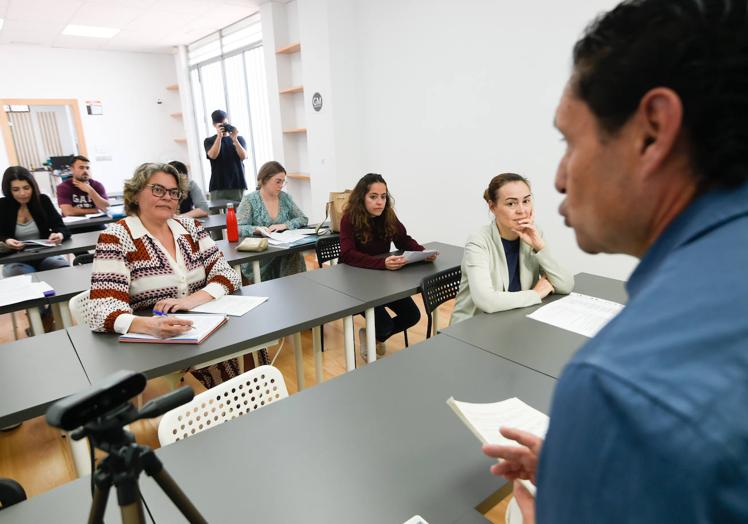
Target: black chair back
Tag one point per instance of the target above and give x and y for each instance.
(11, 492)
(328, 248)
(85, 258)
(439, 288)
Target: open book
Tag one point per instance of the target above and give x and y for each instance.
(485, 420)
(202, 327)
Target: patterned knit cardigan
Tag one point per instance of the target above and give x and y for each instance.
(131, 272)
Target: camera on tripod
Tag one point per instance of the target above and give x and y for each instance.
(227, 128)
(100, 413)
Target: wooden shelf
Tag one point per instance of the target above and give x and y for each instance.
(176, 115)
(289, 90)
(180, 140)
(298, 176)
(289, 49)
(295, 130)
(173, 87)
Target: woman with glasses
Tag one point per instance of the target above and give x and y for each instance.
(272, 208)
(154, 260)
(507, 264)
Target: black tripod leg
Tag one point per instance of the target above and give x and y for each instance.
(177, 496)
(128, 498)
(132, 513)
(98, 506)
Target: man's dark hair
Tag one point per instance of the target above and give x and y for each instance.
(179, 166)
(75, 158)
(697, 48)
(218, 116)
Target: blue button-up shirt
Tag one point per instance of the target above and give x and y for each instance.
(649, 422)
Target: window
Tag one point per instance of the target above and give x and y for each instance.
(227, 71)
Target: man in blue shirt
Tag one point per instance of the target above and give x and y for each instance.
(649, 423)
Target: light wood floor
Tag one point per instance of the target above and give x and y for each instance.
(37, 456)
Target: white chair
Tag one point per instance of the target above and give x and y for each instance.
(235, 397)
(74, 305)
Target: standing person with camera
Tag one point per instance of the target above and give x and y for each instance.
(226, 151)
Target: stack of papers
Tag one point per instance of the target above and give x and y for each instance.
(233, 305)
(578, 313)
(72, 220)
(283, 237)
(21, 288)
(202, 327)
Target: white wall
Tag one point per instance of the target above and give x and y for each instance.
(133, 128)
(440, 96)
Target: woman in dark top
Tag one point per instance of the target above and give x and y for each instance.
(367, 229)
(26, 214)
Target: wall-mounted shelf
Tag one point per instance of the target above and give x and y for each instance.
(295, 130)
(290, 90)
(172, 87)
(289, 49)
(180, 140)
(298, 176)
(176, 115)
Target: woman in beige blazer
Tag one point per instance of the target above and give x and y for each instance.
(507, 263)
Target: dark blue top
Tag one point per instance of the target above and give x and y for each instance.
(511, 250)
(227, 169)
(649, 422)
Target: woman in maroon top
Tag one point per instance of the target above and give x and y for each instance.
(367, 229)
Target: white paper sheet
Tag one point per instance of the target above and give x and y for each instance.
(72, 220)
(233, 305)
(21, 290)
(578, 313)
(418, 256)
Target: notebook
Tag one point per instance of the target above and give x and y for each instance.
(37, 243)
(203, 326)
(234, 305)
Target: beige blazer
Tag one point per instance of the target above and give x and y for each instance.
(485, 276)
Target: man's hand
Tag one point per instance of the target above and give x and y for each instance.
(234, 134)
(394, 262)
(83, 186)
(519, 462)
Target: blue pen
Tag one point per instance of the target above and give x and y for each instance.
(159, 313)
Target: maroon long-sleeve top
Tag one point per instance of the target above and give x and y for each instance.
(355, 253)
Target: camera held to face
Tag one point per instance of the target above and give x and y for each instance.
(227, 128)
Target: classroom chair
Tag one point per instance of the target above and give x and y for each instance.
(11, 492)
(436, 290)
(328, 250)
(237, 396)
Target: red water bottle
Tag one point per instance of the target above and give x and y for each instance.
(232, 227)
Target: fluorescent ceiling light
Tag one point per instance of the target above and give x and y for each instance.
(90, 31)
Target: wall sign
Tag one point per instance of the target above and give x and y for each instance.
(317, 101)
(93, 107)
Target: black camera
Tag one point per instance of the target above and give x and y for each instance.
(228, 128)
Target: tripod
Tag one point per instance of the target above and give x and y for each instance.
(125, 461)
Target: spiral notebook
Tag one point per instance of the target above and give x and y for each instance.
(203, 326)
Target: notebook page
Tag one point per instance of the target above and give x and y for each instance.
(484, 420)
(578, 313)
(202, 325)
(233, 305)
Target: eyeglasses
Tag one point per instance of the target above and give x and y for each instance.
(159, 191)
(280, 182)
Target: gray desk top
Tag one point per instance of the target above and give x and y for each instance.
(221, 204)
(77, 242)
(66, 281)
(34, 372)
(233, 256)
(539, 346)
(381, 438)
(90, 222)
(213, 222)
(376, 287)
(295, 304)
